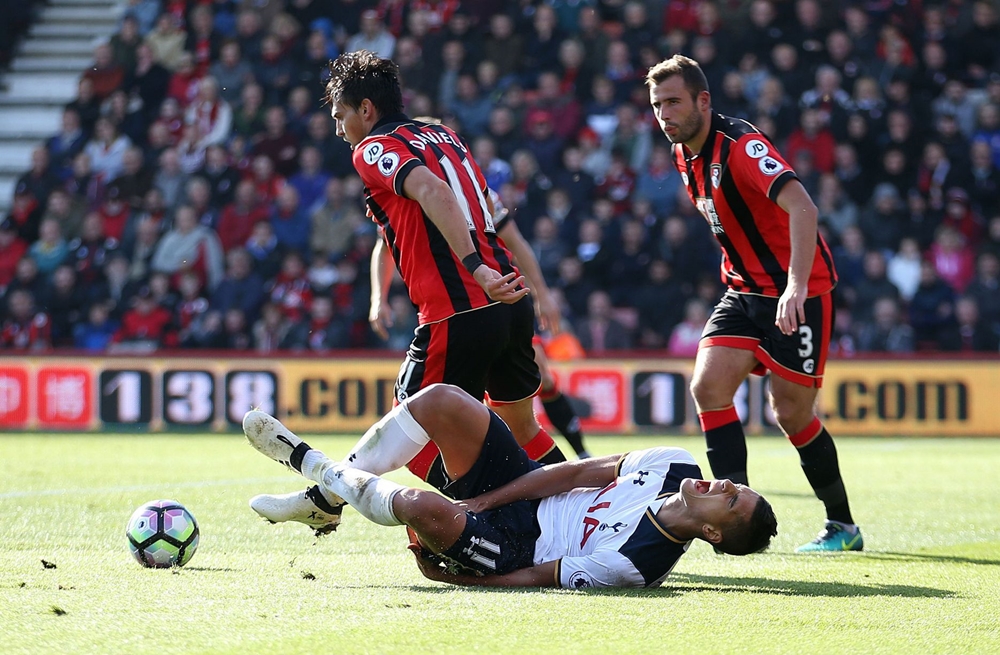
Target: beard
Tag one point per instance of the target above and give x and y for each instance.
(688, 129)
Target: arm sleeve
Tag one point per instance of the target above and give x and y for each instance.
(756, 164)
(602, 568)
(383, 163)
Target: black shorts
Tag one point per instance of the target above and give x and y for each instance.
(503, 539)
(746, 322)
(483, 351)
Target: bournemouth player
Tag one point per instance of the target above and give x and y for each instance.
(429, 198)
(778, 311)
(556, 405)
(616, 521)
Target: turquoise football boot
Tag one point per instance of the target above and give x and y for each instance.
(834, 538)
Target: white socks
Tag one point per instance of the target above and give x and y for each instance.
(390, 444)
(369, 494)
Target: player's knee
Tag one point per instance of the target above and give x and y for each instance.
(790, 414)
(706, 394)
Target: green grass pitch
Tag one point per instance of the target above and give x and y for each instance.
(929, 581)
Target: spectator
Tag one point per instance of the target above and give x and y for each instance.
(882, 223)
(144, 12)
(231, 71)
(872, 286)
(373, 36)
(903, 269)
(599, 331)
(952, 258)
(222, 178)
(67, 143)
(145, 327)
(886, 332)
(50, 250)
(189, 246)
(984, 187)
(135, 180)
(321, 331)
(25, 328)
(270, 331)
(290, 289)
(685, 336)
(241, 288)
(812, 137)
(148, 81)
(238, 218)
(39, 181)
(210, 114)
(275, 70)
(334, 221)
(12, 250)
(985, 287)
(972, 333)
(166, 42)
(235, 331)
(503, 45)
(106, 150)
(264, 249)
(96, 334)
(86, 105)
(290, 221)
(66, 305)
(106, 75)
(124, 45)
(277, 143)
(310, 181)
(932, 310)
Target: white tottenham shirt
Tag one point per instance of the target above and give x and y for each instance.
(610, 537)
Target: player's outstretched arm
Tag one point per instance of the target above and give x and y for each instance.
(802, 227)
(438, 201)
(549, 481)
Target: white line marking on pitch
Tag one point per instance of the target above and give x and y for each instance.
(139, 487)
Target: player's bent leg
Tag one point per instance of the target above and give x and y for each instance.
(718, 373)
(793, 407)
(520, 417)
(455, 422)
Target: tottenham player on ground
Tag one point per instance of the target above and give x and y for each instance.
(616, 521)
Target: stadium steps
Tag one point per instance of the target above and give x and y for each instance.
(43, 77)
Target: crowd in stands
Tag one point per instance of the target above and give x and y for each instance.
(197, 197)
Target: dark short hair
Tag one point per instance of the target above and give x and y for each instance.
(355, 76)
(694, 78)
(752, 535)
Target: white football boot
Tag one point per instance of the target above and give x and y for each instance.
(308, 507)
(269, 437)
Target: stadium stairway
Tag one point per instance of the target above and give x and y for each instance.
(43, 77)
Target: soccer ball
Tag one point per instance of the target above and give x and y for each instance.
(161, 534)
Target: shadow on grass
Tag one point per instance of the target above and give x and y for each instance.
(802, 587)
(890, 556)
(683, 583)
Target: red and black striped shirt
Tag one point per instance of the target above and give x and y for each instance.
(734, 181)
(437, 282)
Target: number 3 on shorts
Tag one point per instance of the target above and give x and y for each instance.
(806, 340)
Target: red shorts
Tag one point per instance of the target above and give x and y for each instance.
(746, 322)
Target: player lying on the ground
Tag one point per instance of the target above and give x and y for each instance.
(616, 521)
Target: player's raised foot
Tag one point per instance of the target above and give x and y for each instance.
(834, 538)
(266, 434)
(308, 507)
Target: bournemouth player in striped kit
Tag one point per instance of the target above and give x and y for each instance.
(777, 314)
(475, 323)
